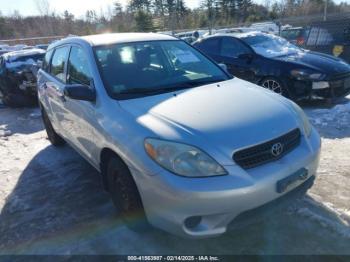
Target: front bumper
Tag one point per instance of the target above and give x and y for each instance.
(171, 201)
(335, 88)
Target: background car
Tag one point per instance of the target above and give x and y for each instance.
(295, 35)
(42, 46)
(18, 77)
(276, 64)
(266, 27)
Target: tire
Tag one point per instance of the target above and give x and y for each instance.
(125, 195)
(275, 85)
(54, 138)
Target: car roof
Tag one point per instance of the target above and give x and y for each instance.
(292, 28)
(237, 35)
(13, 55)
(115, 38)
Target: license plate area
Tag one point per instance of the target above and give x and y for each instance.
(292, 181)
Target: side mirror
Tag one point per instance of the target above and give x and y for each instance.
(224, 67)
(248, 57)
(80, 92)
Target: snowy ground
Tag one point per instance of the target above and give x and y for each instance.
(52, 201)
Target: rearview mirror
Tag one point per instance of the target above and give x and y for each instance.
(80, 92)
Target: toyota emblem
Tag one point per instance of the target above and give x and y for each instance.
(277, 149)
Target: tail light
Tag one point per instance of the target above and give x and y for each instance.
(300, 41)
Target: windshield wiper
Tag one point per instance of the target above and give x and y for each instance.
(170, 88)
(204, 82)
(149, 91)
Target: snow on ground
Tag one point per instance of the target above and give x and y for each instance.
(52, 201)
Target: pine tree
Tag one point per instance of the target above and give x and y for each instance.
(143, 21)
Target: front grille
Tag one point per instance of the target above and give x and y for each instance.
(262, 154)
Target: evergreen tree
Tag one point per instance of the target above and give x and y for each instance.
(143, 21)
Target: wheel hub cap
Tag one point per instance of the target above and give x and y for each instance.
(273, 86)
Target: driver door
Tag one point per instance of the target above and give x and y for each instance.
(238, 58)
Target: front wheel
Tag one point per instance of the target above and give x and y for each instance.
(125, 195)
(275, 85)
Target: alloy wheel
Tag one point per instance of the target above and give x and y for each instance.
(273, 85)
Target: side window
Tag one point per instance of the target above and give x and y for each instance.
(231, 47)
(78, 67)
(210, 46)
(58, 63)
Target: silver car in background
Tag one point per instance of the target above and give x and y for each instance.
(179, 142)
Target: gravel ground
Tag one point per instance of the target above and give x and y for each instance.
(52, 201)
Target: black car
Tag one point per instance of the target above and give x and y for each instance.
(18, 77)
(276, 64)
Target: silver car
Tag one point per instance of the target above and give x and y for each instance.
(180, 143)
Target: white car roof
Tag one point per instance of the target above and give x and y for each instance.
(21, 53)
(106, 39)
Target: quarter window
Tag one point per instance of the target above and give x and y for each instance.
(58, 63)
(78, 67)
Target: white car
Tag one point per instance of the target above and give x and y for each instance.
(178, 141)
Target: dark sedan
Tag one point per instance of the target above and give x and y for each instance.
(18, 71)
(278, 65)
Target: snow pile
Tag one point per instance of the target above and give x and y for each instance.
(338, 222)
(337, 117)
(28, 62)
(15, 55)
(5, 133)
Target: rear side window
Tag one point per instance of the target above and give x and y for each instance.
(210, 46)
(78, 67)
(58, 63)
(233, 48)
(46, 62)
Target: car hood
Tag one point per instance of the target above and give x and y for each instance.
(323, 63)
(218, 118)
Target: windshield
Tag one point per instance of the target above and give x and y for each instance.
(270, 45)
(146, 68)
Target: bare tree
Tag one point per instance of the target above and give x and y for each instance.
(43, 7)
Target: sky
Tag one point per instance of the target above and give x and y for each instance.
(77, 7)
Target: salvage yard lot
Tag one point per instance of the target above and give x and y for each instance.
(52, 201)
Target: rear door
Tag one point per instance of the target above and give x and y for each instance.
(80, 117)
(54, 84)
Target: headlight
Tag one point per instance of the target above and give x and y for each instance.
(183, 160)
(304, 120)
(304, 74)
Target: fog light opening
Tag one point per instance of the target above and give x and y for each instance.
(193, 222)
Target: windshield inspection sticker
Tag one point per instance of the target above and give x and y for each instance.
(185, 56)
